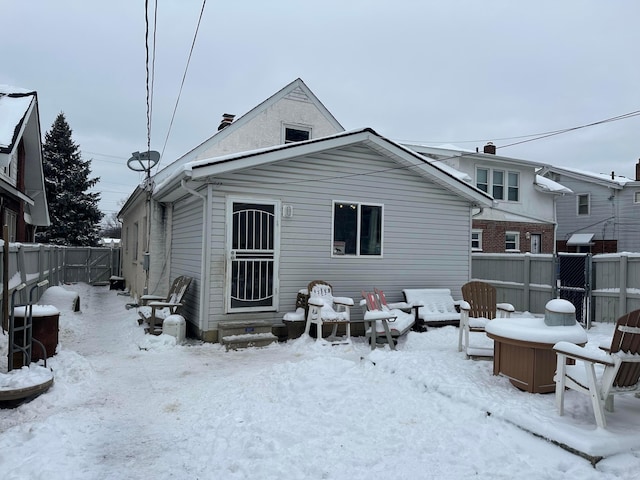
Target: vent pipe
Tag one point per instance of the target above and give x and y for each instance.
(227, 119)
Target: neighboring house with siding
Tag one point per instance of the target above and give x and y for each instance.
(353, 208)
(23, 203)
(292, 114)
(603, 215)
(523, 218)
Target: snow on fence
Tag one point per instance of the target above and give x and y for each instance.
(528, 281)
(33, 263)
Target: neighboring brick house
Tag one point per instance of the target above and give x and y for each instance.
(603, 215)
(523, 218)
(23, 203)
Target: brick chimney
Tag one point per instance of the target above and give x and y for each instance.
(638, 171)
(490, 148)
(227, 119)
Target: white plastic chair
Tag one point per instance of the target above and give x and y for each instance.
(601, 374)
(324, 308)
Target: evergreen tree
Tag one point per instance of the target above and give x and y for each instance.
(75, 217)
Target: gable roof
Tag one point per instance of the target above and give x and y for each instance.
(296, 89)
(20, 120)
(16, 105)
(175, 186)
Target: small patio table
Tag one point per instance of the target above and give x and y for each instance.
(523, 350)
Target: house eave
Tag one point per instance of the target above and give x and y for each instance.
(489, 157)
(585, 177)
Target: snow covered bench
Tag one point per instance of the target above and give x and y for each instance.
(436, 306)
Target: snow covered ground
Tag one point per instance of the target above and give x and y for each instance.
(129, 406)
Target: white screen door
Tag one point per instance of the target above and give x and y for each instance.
(252, 267)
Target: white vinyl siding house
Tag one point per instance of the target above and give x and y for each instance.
(425, 224)
(604, 207)
(186, 249)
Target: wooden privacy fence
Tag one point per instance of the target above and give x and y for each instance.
(33, 263)
(529, 281)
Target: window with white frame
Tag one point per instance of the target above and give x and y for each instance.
(357, 229)
(476, 240)
(513, 188)
(296, 134)
(583, 204)
(636, 197)
(498, 184)
(512, 241)
(482, 179)
(501, 184)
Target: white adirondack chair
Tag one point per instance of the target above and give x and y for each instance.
(601, 374)
(324, 308)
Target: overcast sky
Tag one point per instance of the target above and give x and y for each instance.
(457, 71)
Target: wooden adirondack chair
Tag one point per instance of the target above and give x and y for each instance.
(324, 308)
(157, 307)
(601, 374)
(478, 308)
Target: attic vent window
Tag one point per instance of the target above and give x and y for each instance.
(296, 134)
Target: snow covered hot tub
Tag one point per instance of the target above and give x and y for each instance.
(523, 350)
(45, 329)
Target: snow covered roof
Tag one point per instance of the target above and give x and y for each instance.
(610, 179)
(548, 185)
(15, 104)
(447, 177)
(20, 123)
(453, 151)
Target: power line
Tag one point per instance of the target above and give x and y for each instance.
(184, 76)
(565, 130)
(538, 135)
(148, 83)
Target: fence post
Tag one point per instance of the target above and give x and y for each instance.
(526, 282)
(40, 263)
(22, 268)
(622, 306)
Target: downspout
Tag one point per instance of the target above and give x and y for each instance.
(205, 279)
(481, 209)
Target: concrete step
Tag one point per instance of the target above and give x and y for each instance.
(244, 334)
(234, 342)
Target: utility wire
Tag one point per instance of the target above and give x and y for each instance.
(153, 71)
(148, 83)
(184, 76)
(538, 135)
(565, 130)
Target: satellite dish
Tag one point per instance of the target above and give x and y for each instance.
(143, 161)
